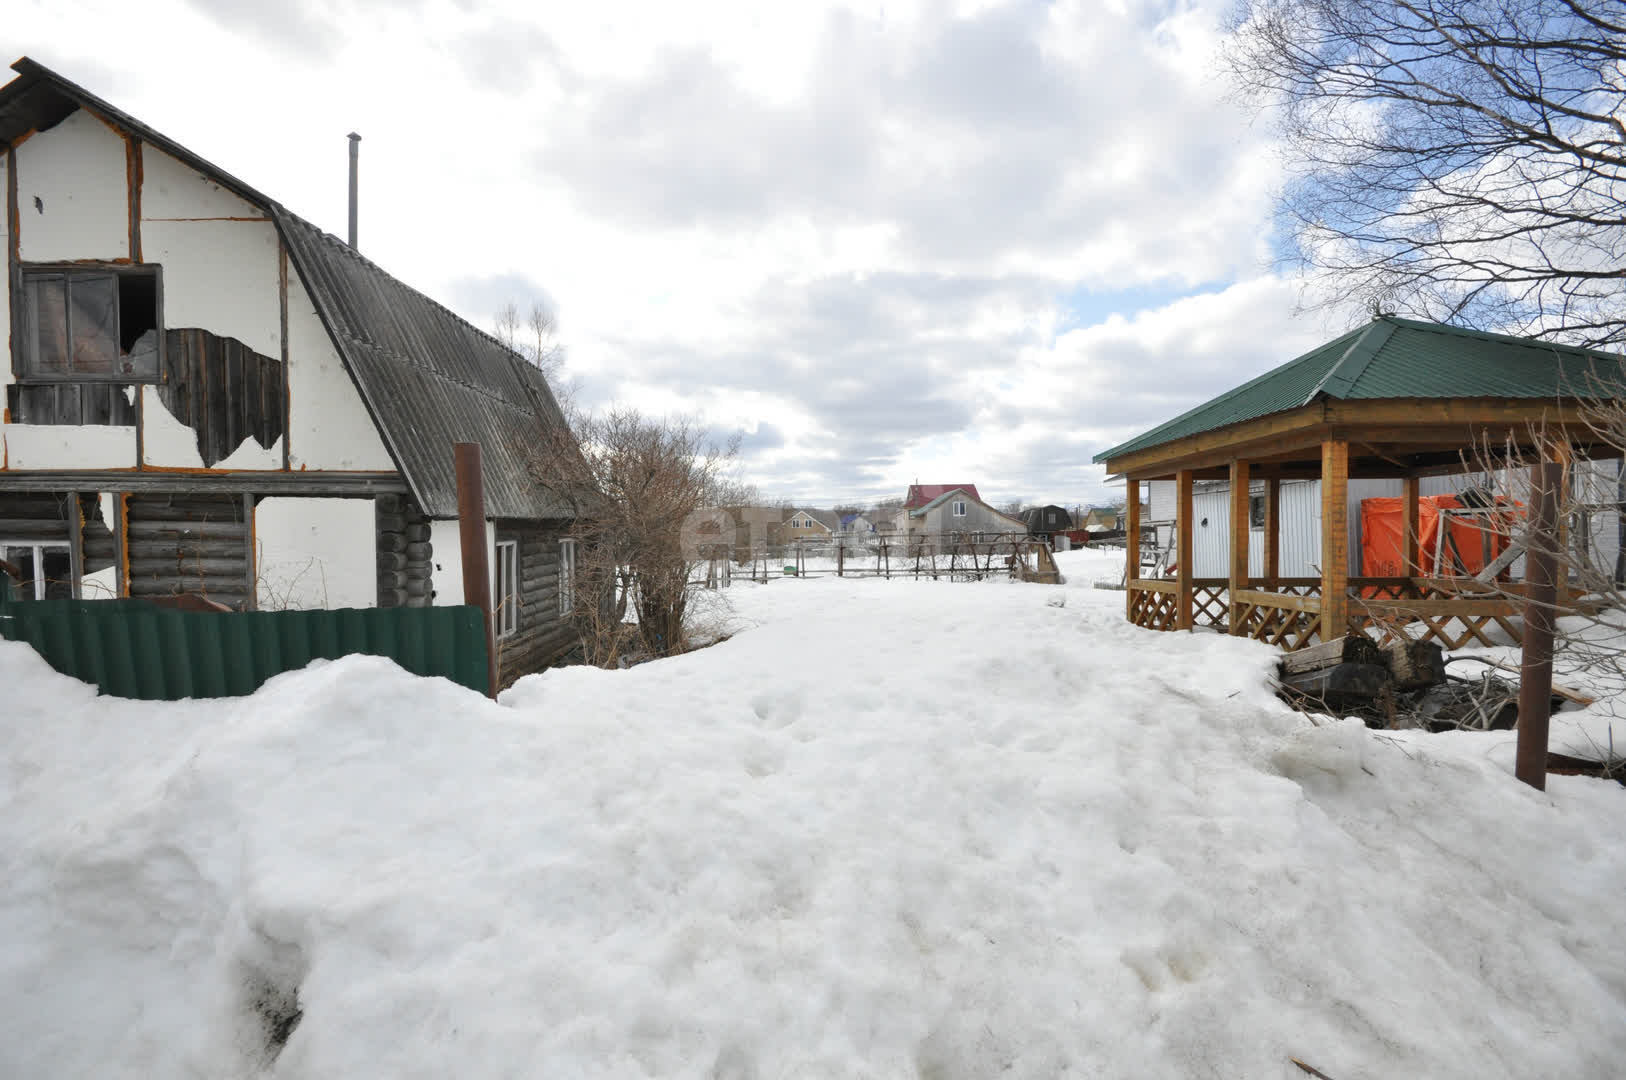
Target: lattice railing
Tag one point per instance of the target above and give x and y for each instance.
(1456, 612)
(1211, 603)
(1288, 620)
(1152, 604)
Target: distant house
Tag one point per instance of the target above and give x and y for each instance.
(955, 510)
(807, 524)
(885, 521)
(856, 525)
(756, 528)
(1047, 520)
(921, 494)
(204, 393)
(1103, 519)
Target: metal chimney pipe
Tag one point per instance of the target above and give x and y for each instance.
(355, 151)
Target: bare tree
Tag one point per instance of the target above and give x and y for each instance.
(535, 336)
(1457, 160)
(632, 481)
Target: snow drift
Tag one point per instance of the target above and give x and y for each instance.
(893, 829)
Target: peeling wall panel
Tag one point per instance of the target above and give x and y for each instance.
(314, 553)
(28, 446)
(220, 276)
(171, 190)
(73, 193)
(446, 542)
(329, 426)
(219, 402)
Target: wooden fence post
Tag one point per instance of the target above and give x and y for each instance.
(1536, 664)
(471, 533)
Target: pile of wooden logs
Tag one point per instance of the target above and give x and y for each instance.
(1355, 670)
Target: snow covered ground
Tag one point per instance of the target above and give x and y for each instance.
(890, 828)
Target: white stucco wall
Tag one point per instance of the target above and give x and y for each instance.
(447, 576)
(328, 426)
(77, 172)
(48, 446)
(220, 276)
(315, 553)
(171, 190)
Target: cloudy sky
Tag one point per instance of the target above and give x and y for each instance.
(884, 241)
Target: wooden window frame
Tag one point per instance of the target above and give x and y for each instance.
(24, 361)
(39, 548)
(507, 613)
(567, 575)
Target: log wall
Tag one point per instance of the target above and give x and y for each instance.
(543, 635)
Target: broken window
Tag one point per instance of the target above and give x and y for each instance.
(87, 337)
(46, 569)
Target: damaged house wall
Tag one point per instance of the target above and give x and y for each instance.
(311, 553)
(237, 403)
(38, 533)
(222, 372)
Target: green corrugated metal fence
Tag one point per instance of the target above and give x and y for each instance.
(134, 649)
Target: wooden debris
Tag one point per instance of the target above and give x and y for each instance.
(1350, 649)
(1340, 682)
(1311, 1069)
(1561, 691)
(1565, 765)
(1414, 664)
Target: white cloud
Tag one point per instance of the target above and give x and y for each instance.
(854, 228)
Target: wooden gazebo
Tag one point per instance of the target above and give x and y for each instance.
(1393, 399)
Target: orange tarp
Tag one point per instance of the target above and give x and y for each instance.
(1383, 539)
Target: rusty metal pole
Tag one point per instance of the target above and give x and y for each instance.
(1536, 666)
(471, 535)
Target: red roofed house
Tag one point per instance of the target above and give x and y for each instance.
(921, 494)
(949, 509)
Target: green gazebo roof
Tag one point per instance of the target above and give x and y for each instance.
(1392, 358)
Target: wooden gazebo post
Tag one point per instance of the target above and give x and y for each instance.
(1183, 549)
(1240, 527)
(1411, 524)
(1131, 544)
(1334, 538)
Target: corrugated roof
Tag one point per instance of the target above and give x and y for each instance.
(1392, 358)
(429, 378)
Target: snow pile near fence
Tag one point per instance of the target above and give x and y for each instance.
(889, 829)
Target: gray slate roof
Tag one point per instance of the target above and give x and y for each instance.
(428, 377)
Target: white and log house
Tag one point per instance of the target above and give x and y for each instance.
(204, 393)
